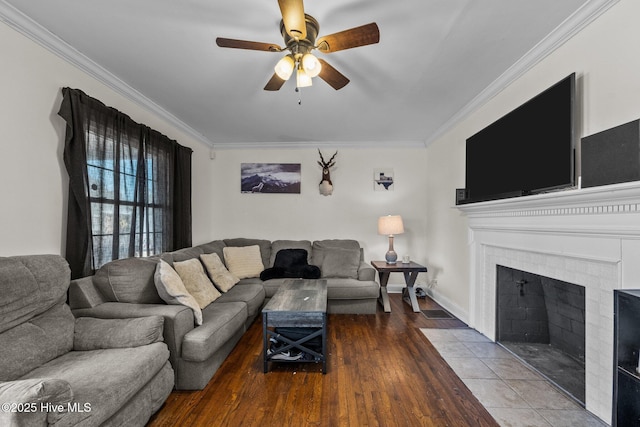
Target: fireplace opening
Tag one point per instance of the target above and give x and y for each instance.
(542, 321)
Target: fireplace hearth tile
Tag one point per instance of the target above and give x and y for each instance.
(541, 395)
(512, 402)
(495, 393)
(439, 335)
(518, 417)
(469, 335)
(486, 350)
(471, 368)
(511, 369)
(564, 418)
(452, 349)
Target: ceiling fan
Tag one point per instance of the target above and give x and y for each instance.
(300, 31)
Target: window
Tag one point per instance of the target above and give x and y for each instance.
(116, 203)
(130, 187)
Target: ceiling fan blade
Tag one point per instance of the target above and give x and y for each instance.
(293, 18)
(275, 83)
(244, 44)
(333, 77)
(347, 39)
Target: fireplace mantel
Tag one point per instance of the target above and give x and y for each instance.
(589, 237)
(584, 211)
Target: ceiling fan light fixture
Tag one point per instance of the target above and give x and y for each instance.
(311, 65)
(302, 78)
(284, 67)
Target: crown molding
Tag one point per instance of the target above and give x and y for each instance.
(318, 144)
(36, 32)
(561, 34)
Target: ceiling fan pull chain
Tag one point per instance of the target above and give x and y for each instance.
(299, 91)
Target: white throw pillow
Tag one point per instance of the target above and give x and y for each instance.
(243, 261)
(222, 278)
(196, 281)
(172, 290)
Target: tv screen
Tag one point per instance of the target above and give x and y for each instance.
(529, 150)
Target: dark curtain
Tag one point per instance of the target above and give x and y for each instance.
(182, 196)
(129, 186)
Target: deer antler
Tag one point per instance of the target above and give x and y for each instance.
(321, 158)
(331, 162)
(328, 164)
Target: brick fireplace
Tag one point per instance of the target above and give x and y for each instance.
(588, 237)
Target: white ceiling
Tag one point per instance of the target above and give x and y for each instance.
(436, 59)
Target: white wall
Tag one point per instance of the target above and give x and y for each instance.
(33, 189)
(352, 210)
(605, 58)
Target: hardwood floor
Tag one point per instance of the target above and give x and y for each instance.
(381, 371)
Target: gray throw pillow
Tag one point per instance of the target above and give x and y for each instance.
(94, 334)
(339, 262)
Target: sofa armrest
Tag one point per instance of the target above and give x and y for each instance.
(178, 319)
(28, 398)
(83, 294)
(93, 334)
(366, 272)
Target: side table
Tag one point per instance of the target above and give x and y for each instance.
(410, 271)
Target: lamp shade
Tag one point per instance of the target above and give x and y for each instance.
(390, 225)
(284, 67)
(311, 65)
(302, 78)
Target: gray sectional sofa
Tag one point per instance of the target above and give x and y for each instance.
(126, 288)
(60, 370)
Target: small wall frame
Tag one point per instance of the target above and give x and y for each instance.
(383, 179)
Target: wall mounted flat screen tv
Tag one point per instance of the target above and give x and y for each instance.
(529, 150)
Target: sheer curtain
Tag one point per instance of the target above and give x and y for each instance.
(129, 186)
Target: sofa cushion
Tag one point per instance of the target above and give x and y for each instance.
(250, 294)
(30, 285)
(265, 247)
(278, 245)
(214, 247)
(339, 262)
(243, 261)
(104, 379)
(351, 289)
(321, 247)
(94, 334)
(185, 254)
(128, 280)
(36, 342)
(221, 321)
(37, 391)
(221, 277)
(196, 281)
(172, 290)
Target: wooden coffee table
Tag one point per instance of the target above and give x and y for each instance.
(299, 303)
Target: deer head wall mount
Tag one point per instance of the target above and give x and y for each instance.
(326, 186)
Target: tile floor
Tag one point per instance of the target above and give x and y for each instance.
(512, 393)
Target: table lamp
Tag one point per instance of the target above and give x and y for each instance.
(390, 225)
